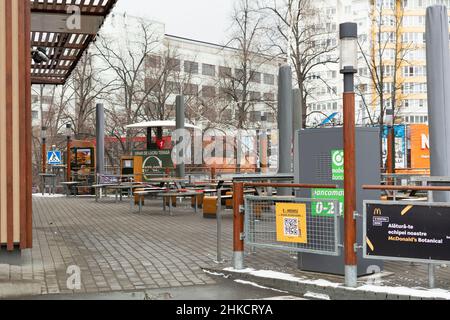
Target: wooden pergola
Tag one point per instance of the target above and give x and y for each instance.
(63, 29)
(55, 29)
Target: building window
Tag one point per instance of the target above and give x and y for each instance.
(151, 85)
(208, 92)
(35, 115)
(209, 70)
(239, 74)
(269, 97)
(255, 76)
(255, 116)
(224, 94)
(269, 79)
(191, 67)
(173, 64)
(255, 96)
(414, 71)
(224, 72)
(190, 89)
(153, 61)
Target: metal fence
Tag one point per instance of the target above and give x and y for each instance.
(322, 229)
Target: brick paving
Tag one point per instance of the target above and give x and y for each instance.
(120, 250)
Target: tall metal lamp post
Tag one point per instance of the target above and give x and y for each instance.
(349, 62)
(68, 136)
(44, 149)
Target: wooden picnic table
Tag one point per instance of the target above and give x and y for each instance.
(52, 177)
(70, 185)
(178, 194)
(146, 192)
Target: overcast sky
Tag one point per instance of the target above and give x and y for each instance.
(206, 20)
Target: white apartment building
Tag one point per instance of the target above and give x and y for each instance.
(326, 99)
(411, 85)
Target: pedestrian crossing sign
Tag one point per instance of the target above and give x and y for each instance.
(54, 157)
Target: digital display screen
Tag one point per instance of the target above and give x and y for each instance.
(84, 157)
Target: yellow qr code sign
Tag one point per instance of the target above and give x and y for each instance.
(291, 223)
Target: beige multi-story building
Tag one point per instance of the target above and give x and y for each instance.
(395, 30)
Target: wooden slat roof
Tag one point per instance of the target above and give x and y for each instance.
(66, 48)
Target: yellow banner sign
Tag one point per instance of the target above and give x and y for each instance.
(291, 223)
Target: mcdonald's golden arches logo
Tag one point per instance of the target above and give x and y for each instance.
(377, 212)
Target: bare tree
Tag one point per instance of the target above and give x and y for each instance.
(126, 61)
(238, 87)
(240, 75)
(384, 63)
(306, 35)
(88, 86)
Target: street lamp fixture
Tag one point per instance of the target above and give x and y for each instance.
(348, 34)
(68, 131)
(44, 134)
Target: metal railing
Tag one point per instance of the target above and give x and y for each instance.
(240, 213)
(261, 225)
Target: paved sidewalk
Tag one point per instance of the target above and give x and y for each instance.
(118, 250)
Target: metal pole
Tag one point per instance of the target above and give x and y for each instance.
(438, 79)
(44, 156)
(219, 226)
(180, 119)
(432, 275)
(100, 138)
(238, 226)
(297, 119)
(149, 138)
(285, 123)
(69, 169)
(349, 30)
(390, 162)
(431, 267)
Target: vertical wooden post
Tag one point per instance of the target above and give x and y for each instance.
(238, 226)
(350, 178)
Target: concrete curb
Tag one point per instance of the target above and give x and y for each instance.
(17, 289)
(298, 288)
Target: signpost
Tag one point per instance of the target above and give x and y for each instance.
(54, 157)
(407, 231)
(154, 161)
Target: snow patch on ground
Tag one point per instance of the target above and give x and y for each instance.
(317, 296)
(46, 195)
(284, 276)
(258, 286)
(413, 292)
(216, 274)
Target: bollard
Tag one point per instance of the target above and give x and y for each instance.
(432, 276)
(238, 226)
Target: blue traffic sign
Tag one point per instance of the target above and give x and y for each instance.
(54, 157)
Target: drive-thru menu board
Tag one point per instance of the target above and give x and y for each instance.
(407, 231)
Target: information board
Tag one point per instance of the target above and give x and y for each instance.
(291, 223)
(407, 231)
(326, 208)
